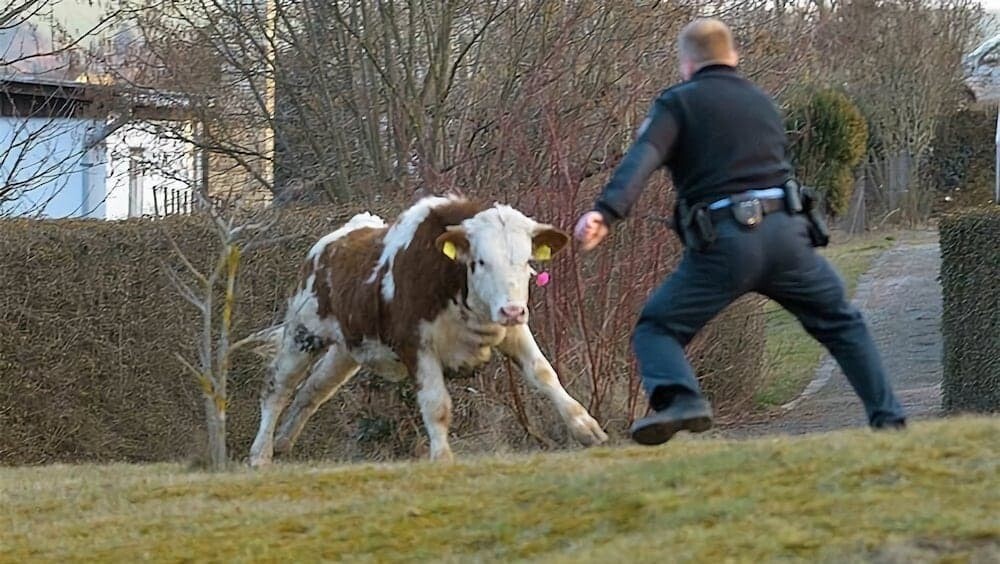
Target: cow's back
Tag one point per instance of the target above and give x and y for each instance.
(340, 274)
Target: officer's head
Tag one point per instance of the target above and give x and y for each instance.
(703, 42)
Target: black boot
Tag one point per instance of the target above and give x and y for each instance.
(686, 412)
(890, 425)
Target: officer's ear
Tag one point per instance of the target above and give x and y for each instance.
(686, 67)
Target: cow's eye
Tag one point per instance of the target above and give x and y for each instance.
(481, 262)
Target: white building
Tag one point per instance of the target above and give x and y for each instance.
(70, 149)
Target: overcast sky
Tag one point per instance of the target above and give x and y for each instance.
(79, 15)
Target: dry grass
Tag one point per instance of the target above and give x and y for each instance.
(933, 491)
(791, 355)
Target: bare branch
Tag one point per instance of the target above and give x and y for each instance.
(18, 13)
(187, 263)
(194, 371)
(185, 291)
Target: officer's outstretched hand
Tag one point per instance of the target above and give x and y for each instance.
(590, 230)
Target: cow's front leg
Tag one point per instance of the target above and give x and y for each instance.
(521, 347)
(435, 404)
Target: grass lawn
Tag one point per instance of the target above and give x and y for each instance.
(932, 491)
(791, 355)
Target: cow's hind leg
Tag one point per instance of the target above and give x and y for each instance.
(521, 347)
(330, 373)
(283, 375)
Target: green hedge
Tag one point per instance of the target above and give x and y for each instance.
(970, 280)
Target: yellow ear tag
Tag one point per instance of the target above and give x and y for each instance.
(450, 250)
(543, 252)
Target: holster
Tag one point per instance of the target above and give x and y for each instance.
(693, 225)
(819, 235)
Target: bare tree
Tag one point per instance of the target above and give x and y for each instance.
(212, 292)
(901, 62)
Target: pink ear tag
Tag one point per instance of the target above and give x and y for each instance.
(542, 279)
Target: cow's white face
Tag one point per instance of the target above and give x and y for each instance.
(497, 246)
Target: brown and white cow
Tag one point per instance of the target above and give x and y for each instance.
(438, 289)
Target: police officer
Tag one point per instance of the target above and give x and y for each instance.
(747, 227)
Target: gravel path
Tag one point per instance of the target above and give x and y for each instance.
(901, 298)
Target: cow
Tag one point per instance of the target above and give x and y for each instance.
(437, 291)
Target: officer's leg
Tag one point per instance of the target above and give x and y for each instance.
(810, 288)
(700, 287)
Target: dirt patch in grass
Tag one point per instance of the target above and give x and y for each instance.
(791, 355)
(823, 497)
(936, 550)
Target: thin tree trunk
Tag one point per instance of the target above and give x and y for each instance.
(215, 417)
(856, 214)
(899, 177)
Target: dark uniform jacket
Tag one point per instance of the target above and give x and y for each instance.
(717, 133)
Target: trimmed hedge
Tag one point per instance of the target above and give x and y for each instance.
(963, 159)
(89, 325)
(970, 280)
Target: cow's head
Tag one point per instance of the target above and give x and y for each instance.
(497, 247)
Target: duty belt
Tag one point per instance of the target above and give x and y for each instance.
(771, 200)
(695, 224)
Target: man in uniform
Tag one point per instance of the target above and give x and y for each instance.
(747, 226)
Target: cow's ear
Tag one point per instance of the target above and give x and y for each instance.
(547, 241)
(454, 243)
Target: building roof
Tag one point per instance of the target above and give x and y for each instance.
(31, 96)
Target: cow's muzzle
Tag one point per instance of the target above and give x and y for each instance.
(513, 315)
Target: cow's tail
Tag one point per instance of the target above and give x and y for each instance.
(266, 342)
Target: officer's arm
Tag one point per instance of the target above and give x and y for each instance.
(649, 151)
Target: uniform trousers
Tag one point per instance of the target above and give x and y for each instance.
(775, 259)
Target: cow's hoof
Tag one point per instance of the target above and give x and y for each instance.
(282, 445)
(587, 431)
(442, 456)
(260, 461)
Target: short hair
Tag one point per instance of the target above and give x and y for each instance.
(705, 41)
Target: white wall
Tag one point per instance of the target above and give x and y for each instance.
(42, 160)
(164, 170)
(61, 181)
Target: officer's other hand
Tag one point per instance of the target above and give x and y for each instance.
(590, 230)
